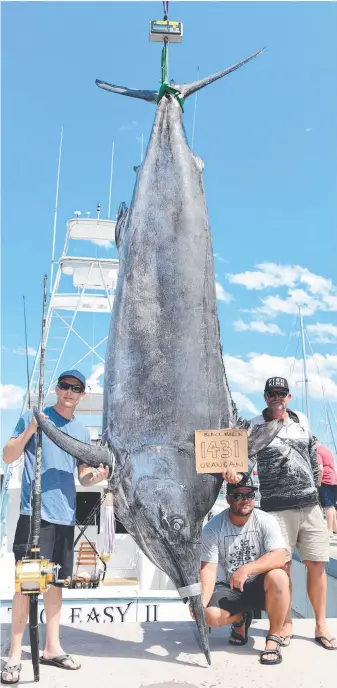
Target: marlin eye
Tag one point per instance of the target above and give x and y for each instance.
(177, 524)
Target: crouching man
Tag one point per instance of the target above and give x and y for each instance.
(243, 553)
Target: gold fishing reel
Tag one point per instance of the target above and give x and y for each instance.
(34, 576)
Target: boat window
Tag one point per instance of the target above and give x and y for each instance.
(85, 508)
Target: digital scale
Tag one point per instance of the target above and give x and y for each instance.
(166, 30)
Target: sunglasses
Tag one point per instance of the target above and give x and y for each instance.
(277, 394)
(74, 388)
(241, 496)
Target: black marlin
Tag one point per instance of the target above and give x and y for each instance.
(164, 371)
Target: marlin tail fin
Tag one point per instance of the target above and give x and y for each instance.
(151, 96)
(189, 89)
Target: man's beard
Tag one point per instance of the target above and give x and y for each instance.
(276, 409)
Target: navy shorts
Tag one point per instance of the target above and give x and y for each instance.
(327, 495)
(235, 601)
(56, 543)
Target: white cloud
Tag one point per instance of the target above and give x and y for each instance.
(257, 326)
(93, 384)
(249, 376)
(102, 242)
(244, 403)
(221, 294)
(271, 305)
(268, 275)
(11, 396)
(325, 333)
(21, 351)
(276, 275)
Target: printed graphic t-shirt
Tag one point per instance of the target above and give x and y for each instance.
(233, 546)
(288, 468)
(58, 468)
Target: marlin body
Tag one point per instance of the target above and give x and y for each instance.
(164, 372)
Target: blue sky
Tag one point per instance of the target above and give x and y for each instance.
(268, 138)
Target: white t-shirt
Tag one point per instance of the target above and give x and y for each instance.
(233, 546)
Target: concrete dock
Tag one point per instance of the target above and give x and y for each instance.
(166, 655)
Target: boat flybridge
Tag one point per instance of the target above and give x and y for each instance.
(76, 332)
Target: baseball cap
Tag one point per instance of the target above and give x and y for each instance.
(245, 482)
(279, 383)
(73, 373)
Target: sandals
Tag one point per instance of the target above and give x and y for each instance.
(319, 639)
(276, 651)
(285, 640)
(11, 669)
(60, 662)
(236, 638)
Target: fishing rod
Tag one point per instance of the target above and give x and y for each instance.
(36, 506)
(34, 574)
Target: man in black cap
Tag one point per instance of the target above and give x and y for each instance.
(242, 559)
(57, 513)
(289, 474)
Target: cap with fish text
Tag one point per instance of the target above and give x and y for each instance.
(276, 383)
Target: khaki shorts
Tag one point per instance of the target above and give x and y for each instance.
(306, 530)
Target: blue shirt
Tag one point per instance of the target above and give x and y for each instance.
(57, 473)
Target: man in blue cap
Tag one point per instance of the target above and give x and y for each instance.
(57, 513)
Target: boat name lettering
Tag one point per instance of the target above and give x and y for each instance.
(109, 614)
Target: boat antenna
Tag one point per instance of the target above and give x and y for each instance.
(111, 175)
(306, 381)
(55, 212)
(27, 364)
(36, 504)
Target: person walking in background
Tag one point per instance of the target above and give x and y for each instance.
(328, 486)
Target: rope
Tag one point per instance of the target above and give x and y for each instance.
(165, 7)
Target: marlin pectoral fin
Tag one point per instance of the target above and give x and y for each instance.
(189, 89)
(259, 436)
(150, 96)
(83, 452)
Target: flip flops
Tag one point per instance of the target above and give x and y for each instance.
(60, 662)
(319, 639)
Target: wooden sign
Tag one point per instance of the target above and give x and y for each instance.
(217, 450)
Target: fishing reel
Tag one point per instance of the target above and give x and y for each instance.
(34, 576)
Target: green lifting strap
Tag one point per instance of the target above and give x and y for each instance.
(165, 86)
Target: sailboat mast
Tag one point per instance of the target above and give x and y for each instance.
(306, 381)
